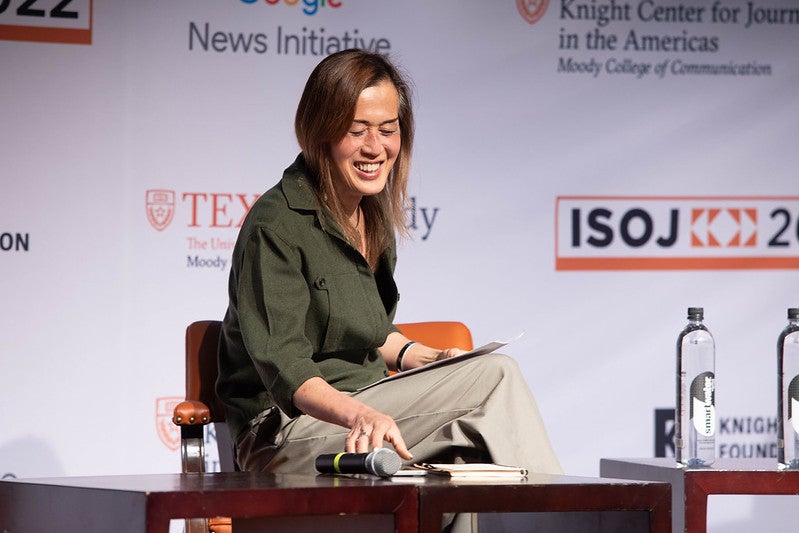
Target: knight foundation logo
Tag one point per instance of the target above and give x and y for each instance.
(532, 10)
(676, 232)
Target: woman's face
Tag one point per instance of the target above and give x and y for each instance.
(365, 155)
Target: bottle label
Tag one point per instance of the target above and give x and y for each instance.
(703, 408)
(793, 403)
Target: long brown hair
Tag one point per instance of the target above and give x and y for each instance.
(325, 114)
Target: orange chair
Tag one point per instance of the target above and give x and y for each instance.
(202, 406)
(439, 335)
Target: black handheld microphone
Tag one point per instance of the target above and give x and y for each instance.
(380, 462)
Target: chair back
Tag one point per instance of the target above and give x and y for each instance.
(202, 344)
(441, 335)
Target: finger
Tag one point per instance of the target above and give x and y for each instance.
(453, 352)
(358, 432)
(362, 442)
(376, 439)
(399, 445)
(351, 440)
(445, 354)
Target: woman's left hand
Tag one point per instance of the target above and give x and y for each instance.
(420, 355)
(414, 355)
(449, 352)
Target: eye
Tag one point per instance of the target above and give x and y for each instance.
(357, 133)
(388, 131)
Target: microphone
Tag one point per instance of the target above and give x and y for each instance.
(380, 462)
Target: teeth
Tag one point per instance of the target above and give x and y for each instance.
(367, 167)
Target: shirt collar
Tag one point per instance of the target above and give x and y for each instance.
(300, 196)
(298, 190)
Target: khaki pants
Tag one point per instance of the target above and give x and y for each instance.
(477, 410)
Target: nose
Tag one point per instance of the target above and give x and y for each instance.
(371, 142)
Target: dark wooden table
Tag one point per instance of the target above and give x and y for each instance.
(543, 493)
(147, 503)
(691, 486)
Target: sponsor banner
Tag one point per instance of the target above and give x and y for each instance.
(737, 437)
(198, 209)
(14, 241)
(53, 21)
(132, 162)
(307, 7)
(650, 39)
(676, 232)
(282, 41)
(211, 221)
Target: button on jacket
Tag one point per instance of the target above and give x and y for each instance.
(303, 303)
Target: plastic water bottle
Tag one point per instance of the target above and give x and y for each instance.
(695, 420)
(788, 401)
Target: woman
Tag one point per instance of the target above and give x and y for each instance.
(312, 299)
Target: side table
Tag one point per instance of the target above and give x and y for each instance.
(691, 486)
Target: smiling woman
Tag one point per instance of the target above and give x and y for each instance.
(309, 328)
(365, 156)
(377, 128)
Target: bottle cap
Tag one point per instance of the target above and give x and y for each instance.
(696, 313)
(793, 313)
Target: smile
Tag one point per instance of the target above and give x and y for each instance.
(367, 167)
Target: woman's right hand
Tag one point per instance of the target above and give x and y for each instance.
(369, 428)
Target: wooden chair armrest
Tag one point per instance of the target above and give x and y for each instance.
(192, 416)
(191, 413)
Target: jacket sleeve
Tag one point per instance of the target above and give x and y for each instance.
(273, 298)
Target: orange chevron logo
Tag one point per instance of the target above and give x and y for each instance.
(723, 228)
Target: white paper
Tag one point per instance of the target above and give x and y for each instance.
(480, 350)
(474, 470)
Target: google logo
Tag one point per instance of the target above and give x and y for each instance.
(309, 7)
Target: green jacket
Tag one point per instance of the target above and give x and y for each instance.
(303, 303)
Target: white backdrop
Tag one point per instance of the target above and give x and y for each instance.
(135, 135)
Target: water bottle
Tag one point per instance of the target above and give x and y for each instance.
(788, 400)
(695, 420)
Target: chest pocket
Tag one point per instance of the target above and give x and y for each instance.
(348, 310)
